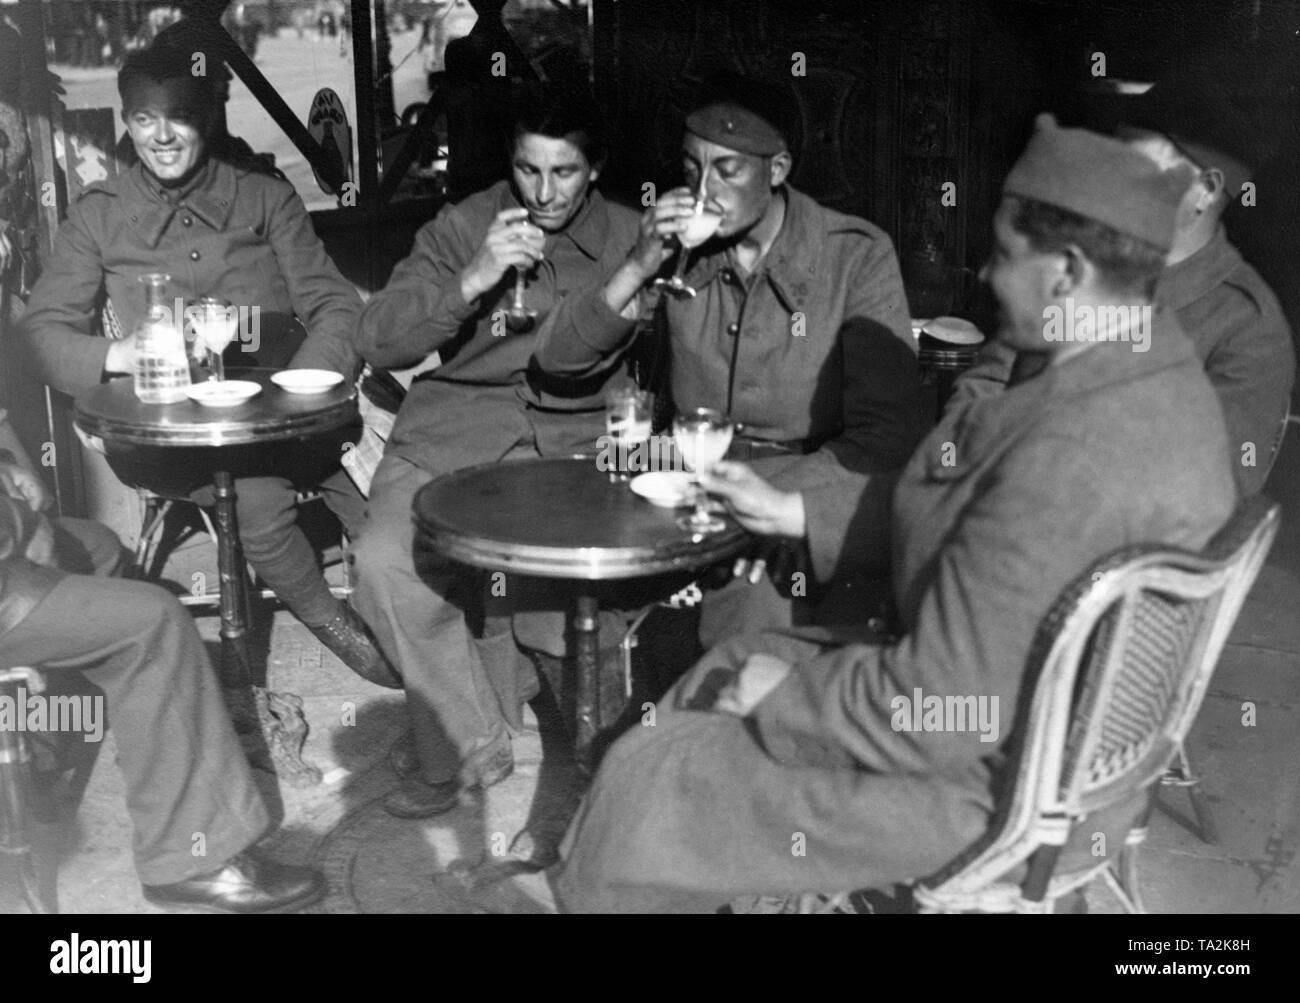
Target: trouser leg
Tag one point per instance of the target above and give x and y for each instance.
(190, 794)
(741, 608)
(267, 509)
(416, 610)
(345, 501)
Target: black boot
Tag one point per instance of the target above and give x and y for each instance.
(349, 638)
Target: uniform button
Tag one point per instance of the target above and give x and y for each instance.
(194, 255)
(727, 275)
(733, 329)
(186, 221)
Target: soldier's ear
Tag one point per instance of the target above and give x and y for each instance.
(779, 168)
(1212, 185)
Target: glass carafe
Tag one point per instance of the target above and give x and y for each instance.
(162, 371)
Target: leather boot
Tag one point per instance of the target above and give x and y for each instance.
(349, 638)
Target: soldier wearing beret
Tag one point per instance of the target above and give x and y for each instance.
(218, 228)
(1116, 440)
(799, 330)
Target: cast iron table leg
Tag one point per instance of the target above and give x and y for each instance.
(586, 635)
(278, 715)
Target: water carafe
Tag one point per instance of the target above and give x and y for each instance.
(162, 371)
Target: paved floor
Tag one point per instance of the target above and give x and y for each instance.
(461, 862)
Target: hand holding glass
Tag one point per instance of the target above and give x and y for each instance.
(700, 226)
(703, 435)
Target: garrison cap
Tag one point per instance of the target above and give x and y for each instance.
(1101, 179)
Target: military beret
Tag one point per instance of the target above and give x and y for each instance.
(737, 128)
(1211, 126)
(1099, 178)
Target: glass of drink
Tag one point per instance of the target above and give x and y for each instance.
(215, 324)
(628, 414)
(703, 435)
(519, 319)
(700, 226)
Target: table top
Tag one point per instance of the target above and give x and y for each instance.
(561, 518)
(112, 412)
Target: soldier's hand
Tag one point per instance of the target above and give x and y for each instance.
(758, 677)
(21, 484)
(40, 547)
(659, 223)
(511, 242)
(121, 356)
(756, 505)
(6, 251)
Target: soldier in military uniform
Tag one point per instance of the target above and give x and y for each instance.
(799, 330)
(219, 228)
(780, 764)
(1189, 122)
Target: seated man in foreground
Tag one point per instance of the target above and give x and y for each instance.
(782, 765)
(185, 772)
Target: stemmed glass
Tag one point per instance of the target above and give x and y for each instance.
(215, 323)
(703, 435)
(700, 226)
(520, 320)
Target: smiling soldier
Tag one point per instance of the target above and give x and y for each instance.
(192, 208)
(485, 402)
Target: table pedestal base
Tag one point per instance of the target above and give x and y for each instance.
(278, 717)
(584, 624)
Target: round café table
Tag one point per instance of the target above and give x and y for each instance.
(219, 440)
(564, 519)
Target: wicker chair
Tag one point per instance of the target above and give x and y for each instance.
(1122, 662)
(1136, 638)
(15, 774)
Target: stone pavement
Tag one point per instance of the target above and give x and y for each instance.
(459, 862)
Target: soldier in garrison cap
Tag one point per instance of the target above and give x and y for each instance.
(774, 741)
(1191, 122)
(218, 228)
(799, 330)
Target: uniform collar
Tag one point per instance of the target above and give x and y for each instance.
(1045, 397)
(790, 263)
(1116, 361)
(1187, 281)
(587, 231)
(210, 196)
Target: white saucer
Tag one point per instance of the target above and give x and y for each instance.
(307, 381)
(226, 393)
(953, 330)
(665, 488)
